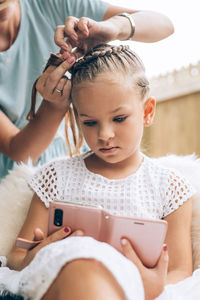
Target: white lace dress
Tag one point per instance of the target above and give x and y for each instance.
(153, 191)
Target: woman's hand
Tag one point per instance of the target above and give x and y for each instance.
(154, 279)
(39, 236)
(83, 34)
(54, 86)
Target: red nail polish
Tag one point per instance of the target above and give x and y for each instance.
(66, 229)
(165, 247)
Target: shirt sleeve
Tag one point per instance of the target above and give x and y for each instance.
(94, 9)
(175, 192)
(56, 11)
(45, 182)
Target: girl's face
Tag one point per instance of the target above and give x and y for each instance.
(111, 115)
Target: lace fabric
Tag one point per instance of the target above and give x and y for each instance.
(153, 191)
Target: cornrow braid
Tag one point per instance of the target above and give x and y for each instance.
(106, 57)
(96, 53)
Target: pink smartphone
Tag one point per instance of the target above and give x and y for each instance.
(146, 235)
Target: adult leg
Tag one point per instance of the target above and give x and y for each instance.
(84, 279)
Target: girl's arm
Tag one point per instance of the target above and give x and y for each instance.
(35, 137)
(37, 217)
(35, 228)
(178, 240)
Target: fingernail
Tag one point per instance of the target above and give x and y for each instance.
(70, 60)
(165, 247)
(66, 229)
(123, 242)
(64, 47)
(74, 37)
(79, 233)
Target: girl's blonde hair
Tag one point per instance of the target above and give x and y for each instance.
(101, 59)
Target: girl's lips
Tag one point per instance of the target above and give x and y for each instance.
(108, 149)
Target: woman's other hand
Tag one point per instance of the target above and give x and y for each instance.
(54, 237)
(83, 34)
(154, 279)
(54, 86)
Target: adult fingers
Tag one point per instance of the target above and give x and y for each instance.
(70, 26)
(59, 38)
(48, 82)
(66, 89)
(84, 24)
(60, 71)
(60, 86)
(130, 253)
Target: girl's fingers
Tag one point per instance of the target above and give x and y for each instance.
(77, 233)
(38, 234)
(59, 235)
(162, 265)
(129, 252)
(56, 236)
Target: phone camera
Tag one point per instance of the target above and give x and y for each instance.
(58, 217)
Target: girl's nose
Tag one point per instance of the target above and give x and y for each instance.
(106, 133)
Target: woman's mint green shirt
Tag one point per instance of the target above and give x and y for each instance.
(24, 61)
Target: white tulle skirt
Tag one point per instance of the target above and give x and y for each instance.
(34, 280)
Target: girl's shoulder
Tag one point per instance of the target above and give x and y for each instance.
(172, 186)
(49, 180)
(61, 163)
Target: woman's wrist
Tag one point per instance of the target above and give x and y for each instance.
(123, 27)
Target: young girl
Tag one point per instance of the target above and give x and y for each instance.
(111, 105)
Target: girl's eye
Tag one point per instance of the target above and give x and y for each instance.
(120, 119)
(89, 123)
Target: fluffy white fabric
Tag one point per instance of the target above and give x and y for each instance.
(15, 197)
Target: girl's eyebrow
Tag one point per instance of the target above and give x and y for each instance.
(84, 115)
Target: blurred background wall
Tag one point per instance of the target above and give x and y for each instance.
(176, 127)
(173, 67)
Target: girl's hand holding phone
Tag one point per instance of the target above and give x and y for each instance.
(42, 241)
(154, 279)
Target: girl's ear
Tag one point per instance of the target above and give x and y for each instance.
(149, 111)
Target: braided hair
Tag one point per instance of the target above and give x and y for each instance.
(107, 58)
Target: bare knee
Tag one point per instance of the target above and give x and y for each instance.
(84, 279)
